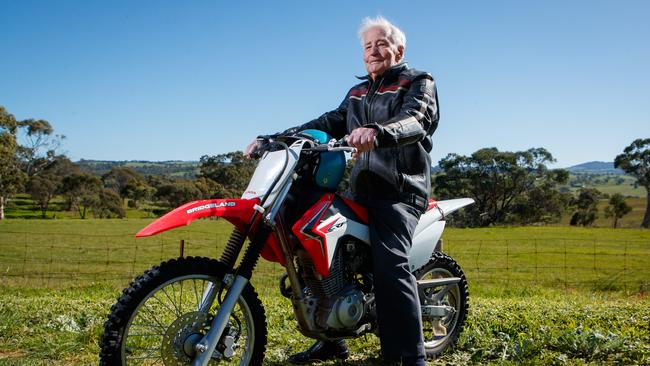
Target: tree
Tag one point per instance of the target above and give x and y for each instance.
(40, 148)
(82, 191)
(635, 160)
(137, 191)
(586, 204)
(60, 168)
(232, 171)
(177, 193)
(122, 180)
(502, 184)
(211, 189)
(42, 188)
(11, 177)
(108, 204)
(46, 184)
(543, 203)
(128, 183)
(617, 208)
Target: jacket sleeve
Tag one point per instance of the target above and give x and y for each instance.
(333, 122)
(417, 118)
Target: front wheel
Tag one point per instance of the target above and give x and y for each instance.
(441, 333)
(162, 315)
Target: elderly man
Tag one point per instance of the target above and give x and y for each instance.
(389, 117)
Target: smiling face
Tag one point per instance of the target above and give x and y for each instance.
(379, 54)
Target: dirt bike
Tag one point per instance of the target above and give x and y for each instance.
(201, 311)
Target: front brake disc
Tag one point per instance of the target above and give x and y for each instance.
(182, 335)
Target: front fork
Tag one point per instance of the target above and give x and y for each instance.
(205, 348)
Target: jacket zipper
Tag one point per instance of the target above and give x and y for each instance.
(368, 109)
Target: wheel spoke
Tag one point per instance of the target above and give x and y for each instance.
(165, 316)
(181, 296)
(164, 291)
(153, 317)
(196, 293)
(162, 303)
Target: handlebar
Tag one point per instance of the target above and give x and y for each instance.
(333, 145)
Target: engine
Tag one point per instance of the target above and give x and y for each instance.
(343, 301)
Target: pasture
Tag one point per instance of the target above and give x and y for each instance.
(549, 295)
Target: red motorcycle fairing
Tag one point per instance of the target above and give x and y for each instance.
(325, 223)
(360, 211)
(237, 211)
(272, 251)
(312, 240)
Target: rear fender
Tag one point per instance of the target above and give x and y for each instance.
(236, 211)
(430, 228)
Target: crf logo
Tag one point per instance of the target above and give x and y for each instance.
(335, 226)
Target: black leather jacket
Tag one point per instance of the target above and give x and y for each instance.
(402, 105)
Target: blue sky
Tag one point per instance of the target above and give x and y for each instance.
(174, 80)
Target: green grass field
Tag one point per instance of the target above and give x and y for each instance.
(539, 295)
(606, 183)
(21, 206)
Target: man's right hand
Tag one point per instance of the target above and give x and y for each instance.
(363, 139)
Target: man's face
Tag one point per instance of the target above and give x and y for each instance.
(379, 53)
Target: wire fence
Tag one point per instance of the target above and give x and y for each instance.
(598, 265)
(61, 259)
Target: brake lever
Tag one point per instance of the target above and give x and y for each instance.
(341, 145)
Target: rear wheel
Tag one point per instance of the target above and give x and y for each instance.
(159, 318)
(441, 333)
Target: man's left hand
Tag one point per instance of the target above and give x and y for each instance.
(363, 139)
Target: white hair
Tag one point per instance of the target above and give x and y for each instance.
(394, 34)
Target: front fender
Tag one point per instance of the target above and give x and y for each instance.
(236, 211)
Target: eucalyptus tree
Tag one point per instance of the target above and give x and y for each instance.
(635, 160)
(507, 187)
(11, 177)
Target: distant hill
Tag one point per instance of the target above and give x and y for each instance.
(595, 167)
(592, 167)
(171, 168)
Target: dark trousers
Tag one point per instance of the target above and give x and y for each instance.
(392, 225)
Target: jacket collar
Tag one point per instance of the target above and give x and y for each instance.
(393, 70)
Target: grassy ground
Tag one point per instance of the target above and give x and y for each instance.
(630, 221)
(21, 206)
(606, 183)
(60, 253)
(539, 295)
(530, 326)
